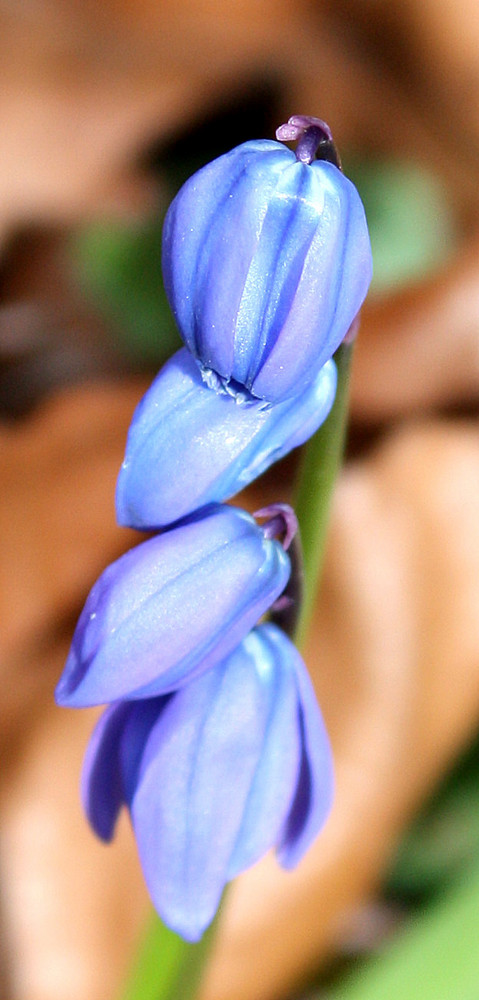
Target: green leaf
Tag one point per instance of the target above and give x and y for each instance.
(409, 217)
(435, 958)
(443, 838)
(119, 268)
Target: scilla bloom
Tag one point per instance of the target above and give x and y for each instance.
(214, 775)
(266, 263)
(190, 443)
(173, 607)
(214, 740)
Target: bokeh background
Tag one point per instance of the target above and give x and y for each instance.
(104, 111)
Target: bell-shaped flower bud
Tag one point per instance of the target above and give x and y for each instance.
(214, 775)
(189, 445)
(266, 263)
(172, 607)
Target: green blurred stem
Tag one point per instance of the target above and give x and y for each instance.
(319, 467)
(167, 967)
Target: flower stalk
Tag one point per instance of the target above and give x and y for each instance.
(167, 967)
(320, 463)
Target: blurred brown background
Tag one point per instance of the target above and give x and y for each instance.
(104, 108)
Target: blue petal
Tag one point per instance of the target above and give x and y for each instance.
(266, 262)
(273, 787)
(171, 607)
(335, 276)
(102, 783)
(112, 759)
(214, 774)
(189, 445)
(219, 206)
(197, 770)
(314, 793)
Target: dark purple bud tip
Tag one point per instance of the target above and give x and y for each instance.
(287, 607)
(282, 522)
(314, 139)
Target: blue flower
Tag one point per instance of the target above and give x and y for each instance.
(214, 775)
(266, 262)
(172, 607)
(189, 445)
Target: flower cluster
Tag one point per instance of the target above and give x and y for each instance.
(213, 738)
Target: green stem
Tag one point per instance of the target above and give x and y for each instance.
(167, 967)
(316, 478)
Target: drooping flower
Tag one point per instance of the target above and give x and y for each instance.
(214, 740)
(190, 444)
(173, 607)
(266, 263)
(234, 763)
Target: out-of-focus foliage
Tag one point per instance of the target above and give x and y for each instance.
(435, 878)
(443, 839)
(436, 958)
(119, 266)
(410, 222)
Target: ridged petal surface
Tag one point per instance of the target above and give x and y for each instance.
(213, 775)
(189, 445)
(172, 607)
(266, 263)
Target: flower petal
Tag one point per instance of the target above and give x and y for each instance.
(275, 780)
(189, 445)
(171, 607)
(314, 792)
(219, 206)
(102, 782)
(215, 774)
(266, 263)
(112, 759)
(335, 276)
(196, 773)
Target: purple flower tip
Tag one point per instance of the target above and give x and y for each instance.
(314, 138)
(298, 125)
(282, 522)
